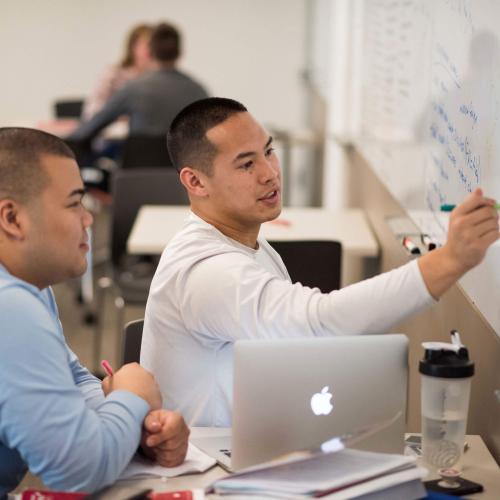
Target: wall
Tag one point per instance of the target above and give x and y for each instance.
(454, 311)
(254, 51)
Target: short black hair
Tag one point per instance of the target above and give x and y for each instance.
(165, 43)
(187, 141)
(21, 177)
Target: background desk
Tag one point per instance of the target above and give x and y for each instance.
(62, 127)
(155, 225)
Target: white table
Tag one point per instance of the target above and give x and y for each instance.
(479, 466)
(155, 225)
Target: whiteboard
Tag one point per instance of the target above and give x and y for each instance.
(430, 114)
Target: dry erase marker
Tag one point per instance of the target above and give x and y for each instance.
(431, 245)
(410, 246)
(449, 208)
(107, 367)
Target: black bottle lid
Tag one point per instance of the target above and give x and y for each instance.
(446, 361)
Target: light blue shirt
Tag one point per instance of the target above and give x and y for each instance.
(54, 418)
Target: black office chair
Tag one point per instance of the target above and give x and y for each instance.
(141, 151)
(312, 263)
(132, 337)
(68, 108)
(130, 275)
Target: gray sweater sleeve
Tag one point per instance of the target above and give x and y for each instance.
(115, 107)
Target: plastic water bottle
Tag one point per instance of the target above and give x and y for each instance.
(446, 376)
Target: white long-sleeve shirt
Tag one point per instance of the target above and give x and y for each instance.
(210, 291)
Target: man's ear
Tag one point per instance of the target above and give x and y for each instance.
(10, 220)
(194, 182)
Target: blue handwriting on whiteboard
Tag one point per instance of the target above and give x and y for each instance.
(444, 131)
(469, 111)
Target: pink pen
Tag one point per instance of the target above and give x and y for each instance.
(107, 367)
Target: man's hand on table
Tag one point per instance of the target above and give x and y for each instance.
(165, 437)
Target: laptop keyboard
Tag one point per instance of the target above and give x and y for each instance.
(226, 452)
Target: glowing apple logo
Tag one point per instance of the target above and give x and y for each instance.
(320, 402)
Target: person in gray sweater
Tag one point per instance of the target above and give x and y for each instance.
(153, 100)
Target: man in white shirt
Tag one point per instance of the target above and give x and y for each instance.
(218, 282)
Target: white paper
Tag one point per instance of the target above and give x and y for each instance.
(196, 461)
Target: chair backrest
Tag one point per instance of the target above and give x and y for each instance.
(312, 263)
(82, 151)
(133, 188)
(71, 108)
(141, 151)
(132, 336)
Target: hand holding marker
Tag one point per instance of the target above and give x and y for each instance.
(426, 240)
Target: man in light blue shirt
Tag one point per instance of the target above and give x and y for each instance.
(55, 417)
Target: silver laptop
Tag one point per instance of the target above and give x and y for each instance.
(291, 394)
